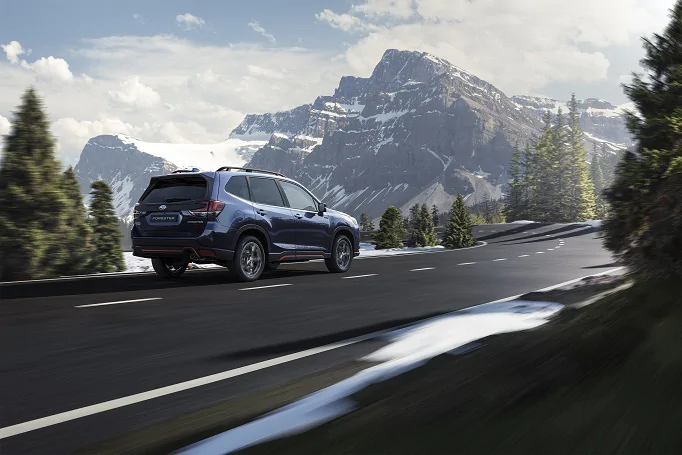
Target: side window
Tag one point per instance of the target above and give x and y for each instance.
(298, 197)
(237, 186)
(265, 191)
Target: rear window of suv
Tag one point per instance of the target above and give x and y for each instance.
(177, 190)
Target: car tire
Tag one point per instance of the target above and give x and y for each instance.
(165, 268)
(342, 255)
(249, 259)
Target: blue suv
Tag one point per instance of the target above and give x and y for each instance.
(247, 220)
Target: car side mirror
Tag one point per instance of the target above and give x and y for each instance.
(321, 208)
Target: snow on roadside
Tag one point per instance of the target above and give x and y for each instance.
(367, 250)
(409, 348)
(521, 222)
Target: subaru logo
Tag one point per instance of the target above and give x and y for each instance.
(162, 207)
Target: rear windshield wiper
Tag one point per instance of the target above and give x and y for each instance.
(178, 199)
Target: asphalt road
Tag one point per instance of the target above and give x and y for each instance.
(61, 350)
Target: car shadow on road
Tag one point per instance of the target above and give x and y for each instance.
(144, 282)
(314, 342)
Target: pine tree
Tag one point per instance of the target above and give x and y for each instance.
(577, 185)
(458, 233)
(364, 222)
(406, 223)
(423, 233)
(33, 208)
(644, 226)
(414, 221)
(597, 168)
(107, 256)
(391, 230)
(370, 226)
(77, 236)
(435, 215)
(514, 203)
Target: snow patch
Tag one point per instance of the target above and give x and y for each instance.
(367, 250)
(409, 349)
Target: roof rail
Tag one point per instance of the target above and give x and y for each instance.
(247, 169)
(181, 171)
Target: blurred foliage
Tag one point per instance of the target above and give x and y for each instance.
(104, 222)
(644, 225)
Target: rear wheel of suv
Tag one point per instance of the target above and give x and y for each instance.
(249, 259)
(342, 255)
(168, 268)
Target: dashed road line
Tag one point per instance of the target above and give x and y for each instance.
(358, 276)
(467, 263)
(540, 252)
(498, 260)
(266, 287)
(524, 255)
(116, 303)
(423, 268)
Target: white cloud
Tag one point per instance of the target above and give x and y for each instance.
(520, 46)
(259, 29)
(344, 21)
(134, 93)
(50, 68)
(138, 18)
(401, 9)
(189, 21)
(13, 50)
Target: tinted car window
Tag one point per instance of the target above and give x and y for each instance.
(176, 190)
(238, 187)
(298, 197)
(265, 191)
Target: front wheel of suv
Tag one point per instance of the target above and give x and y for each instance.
(342, 255)
(249, 259)
(167, 268)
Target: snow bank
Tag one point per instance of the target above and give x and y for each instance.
(409, 349)
(367, 250)
(521, 222)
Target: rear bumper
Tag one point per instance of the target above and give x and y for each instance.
(189, 249)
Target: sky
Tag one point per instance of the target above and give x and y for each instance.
(188, 72)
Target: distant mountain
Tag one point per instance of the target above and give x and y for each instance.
(418, 130)
(127, 164)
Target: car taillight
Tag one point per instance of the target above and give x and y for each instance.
(210, 210)
(136, 211)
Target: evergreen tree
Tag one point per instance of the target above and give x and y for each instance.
(541, 176)
(514, 207)
(33, 209)
(423, 233)
(107, 256)
(414, 221)
(364, 222)
(644, 226)
(597, 168)
(370, 226)
(435, 215)
(578, 186)
(77, 235)
(458, 233)
(391, 230)
(406, 223)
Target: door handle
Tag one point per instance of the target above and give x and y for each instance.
(260, 212)
(298, 215)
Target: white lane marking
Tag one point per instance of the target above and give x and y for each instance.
(498, 260)
(265, 287)
(524, 255)
(358, 276)
(540, 252)
(74, 414)
(467, 263)
(116, 303)
(423, 268)
(550, 249)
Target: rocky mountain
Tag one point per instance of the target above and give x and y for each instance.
(127, 164)
(418, 130)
